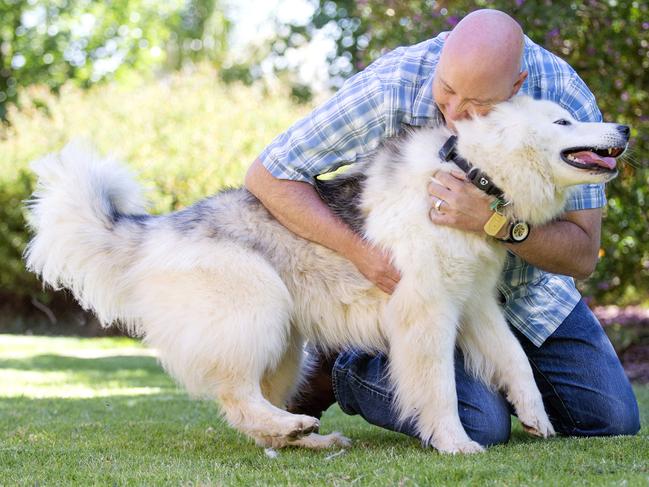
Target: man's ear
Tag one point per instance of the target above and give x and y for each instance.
(522, 76)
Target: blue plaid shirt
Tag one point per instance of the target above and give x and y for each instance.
(397, 90)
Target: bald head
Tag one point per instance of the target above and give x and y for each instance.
(486, 42)
(480, 61)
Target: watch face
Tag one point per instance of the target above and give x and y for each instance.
(520, 230)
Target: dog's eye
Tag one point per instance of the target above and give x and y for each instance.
(562, 121)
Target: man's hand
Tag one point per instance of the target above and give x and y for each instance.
(457, 203)
(376, 266)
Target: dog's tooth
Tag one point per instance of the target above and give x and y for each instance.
(610, 151)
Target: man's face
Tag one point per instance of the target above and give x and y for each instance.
(461, 93)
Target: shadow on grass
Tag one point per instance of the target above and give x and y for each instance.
(128, 370)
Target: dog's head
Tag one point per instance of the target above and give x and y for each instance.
(535, 150)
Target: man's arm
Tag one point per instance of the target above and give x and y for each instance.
(569, 246)
(298, 207)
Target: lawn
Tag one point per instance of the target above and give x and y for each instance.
(101, 411)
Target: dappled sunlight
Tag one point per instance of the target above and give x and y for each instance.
(14, 345)
(39, 385)
(62, 367)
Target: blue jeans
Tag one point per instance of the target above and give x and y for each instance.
(584, 388)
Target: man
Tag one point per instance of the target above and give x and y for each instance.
(486, 59)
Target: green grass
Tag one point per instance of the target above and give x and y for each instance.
(101, 411)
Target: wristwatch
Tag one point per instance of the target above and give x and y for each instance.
(517, 232)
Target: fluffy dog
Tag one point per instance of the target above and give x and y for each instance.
(228, 296)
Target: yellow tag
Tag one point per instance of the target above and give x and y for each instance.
(495, 224)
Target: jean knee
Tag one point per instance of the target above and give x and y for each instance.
(609, 417)
(626, 425)
(488, 423)
(619, 418)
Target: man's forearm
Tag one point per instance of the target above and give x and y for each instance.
(577, 257)
(298, 207)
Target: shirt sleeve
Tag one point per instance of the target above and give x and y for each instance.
(347, 127)
(580, 102)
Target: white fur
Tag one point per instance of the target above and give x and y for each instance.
(228, 296)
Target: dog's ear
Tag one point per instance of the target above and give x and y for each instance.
(512, 121)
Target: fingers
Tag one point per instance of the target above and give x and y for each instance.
(461, 175)
(438, 204)
(391, 280)
(442, 180)
(445, 187)
(438, 191)
(436, 211)
(388, 278)
(387, 287)
(376, 265)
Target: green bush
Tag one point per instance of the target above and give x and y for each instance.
(187, 136)
(54, 42)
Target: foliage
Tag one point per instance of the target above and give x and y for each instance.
(53, 41)
(187, 135)
(167, 128)
(607, 42)
(101, 411)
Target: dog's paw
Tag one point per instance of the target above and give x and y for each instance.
(535, 420)
(539, 427)
(301, 425)
(531, 413)
(464, 447)
(338, 439)
(320, 442)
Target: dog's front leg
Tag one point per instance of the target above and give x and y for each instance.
(422, 344)
(494, 354)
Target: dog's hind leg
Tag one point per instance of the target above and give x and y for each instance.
(252, 389)
(219, 331)
(247, 410)
(493, 354)
(279, 385)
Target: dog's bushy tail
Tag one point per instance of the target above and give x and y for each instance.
(81, 240)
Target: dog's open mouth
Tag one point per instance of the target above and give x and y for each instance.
(593, 158)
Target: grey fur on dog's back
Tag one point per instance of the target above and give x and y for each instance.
(342, 194)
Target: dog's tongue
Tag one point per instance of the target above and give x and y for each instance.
(587, 157)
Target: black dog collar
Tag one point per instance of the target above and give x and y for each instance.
(479, 178)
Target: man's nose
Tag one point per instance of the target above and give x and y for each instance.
(455, 110)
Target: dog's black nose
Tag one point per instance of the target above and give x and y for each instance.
(624, 130)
